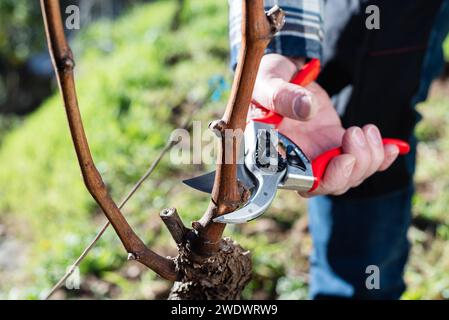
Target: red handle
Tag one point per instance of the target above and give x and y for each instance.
(319, 165)
(303, 77)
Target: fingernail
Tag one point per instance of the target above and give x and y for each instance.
(391, 150)
(374, 136)
(358, 136)
(347, 167)
(302, 107)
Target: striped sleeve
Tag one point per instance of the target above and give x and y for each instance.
(301, 36)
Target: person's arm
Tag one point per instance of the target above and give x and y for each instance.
(310, 118)
(301, 37)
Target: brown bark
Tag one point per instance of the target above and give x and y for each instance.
(207, 266)
(174, 225)
(64, 64)
(257, 30)
(222, 276)
(212, 267)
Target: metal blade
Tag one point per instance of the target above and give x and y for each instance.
(258, 204)
(205, 182)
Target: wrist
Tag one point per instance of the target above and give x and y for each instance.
(299, 62)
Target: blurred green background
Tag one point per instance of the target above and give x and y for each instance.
(137, 79)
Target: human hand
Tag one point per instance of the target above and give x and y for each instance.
(313, 124)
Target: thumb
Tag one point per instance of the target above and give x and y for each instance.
(287, 99)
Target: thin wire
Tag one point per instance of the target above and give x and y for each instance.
(170, 144)
(78, 261)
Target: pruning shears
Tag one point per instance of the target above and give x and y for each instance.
(273, 161)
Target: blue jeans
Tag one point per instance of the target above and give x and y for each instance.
(350, 235)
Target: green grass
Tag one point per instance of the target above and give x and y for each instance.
(127, 90)
(428, 267)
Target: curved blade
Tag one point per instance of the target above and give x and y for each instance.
(205, 182)
(258, 204)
